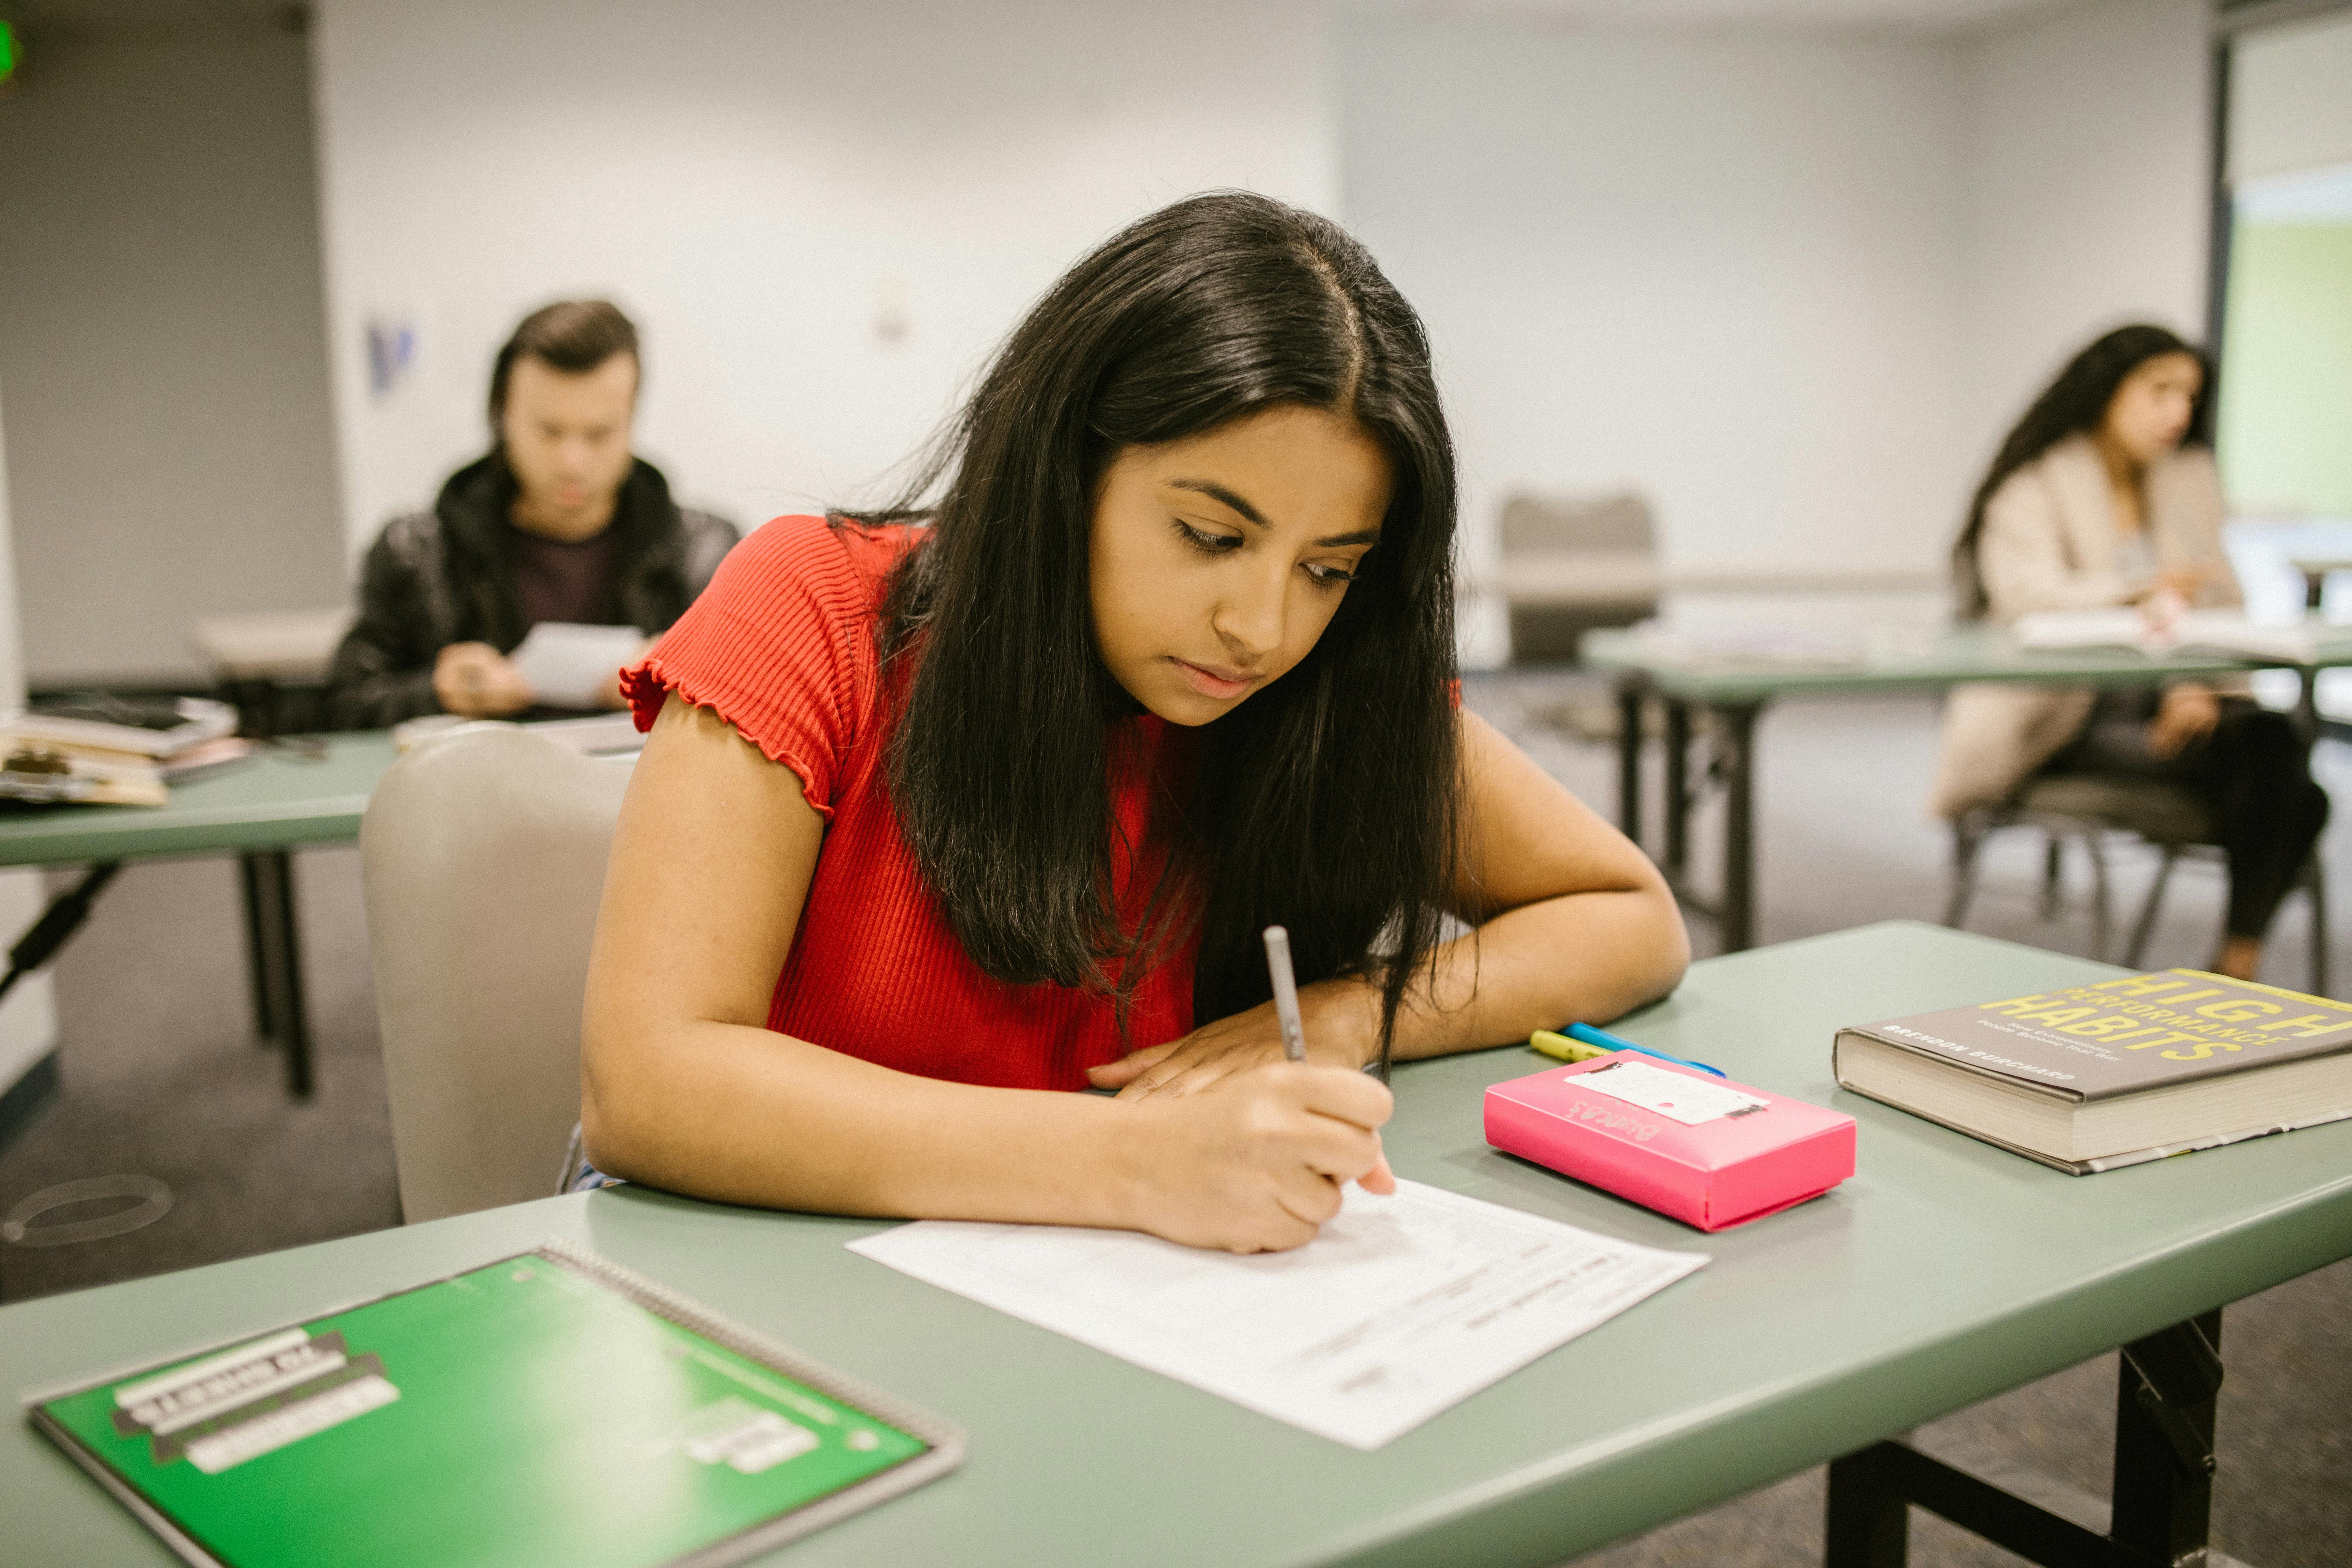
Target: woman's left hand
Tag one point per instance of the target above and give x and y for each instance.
(2188, 713)
(1342, 1024)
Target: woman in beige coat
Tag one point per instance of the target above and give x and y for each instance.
(2107, 494)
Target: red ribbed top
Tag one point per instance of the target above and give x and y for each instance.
(781, 646)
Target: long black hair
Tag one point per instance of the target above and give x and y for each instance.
(2072, 405)
(1327, 801)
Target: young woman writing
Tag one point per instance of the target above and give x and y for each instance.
(939, 822)
(2105, 493)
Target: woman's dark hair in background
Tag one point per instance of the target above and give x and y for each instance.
(574, 336)
(1327, 801)
(2073, 405)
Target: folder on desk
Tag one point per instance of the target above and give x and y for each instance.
(550, 1407)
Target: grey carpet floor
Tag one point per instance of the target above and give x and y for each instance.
(161, 1077)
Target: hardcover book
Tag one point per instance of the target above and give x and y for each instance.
(2091, 1078)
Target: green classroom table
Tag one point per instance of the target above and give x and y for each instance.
(1733, 694)
(260, 810)
(1944, 1272)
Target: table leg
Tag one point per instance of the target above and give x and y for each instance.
(59, 921)
(1868, 1522)
(2166, 1386)
(1735, 723)
(265, 1022)
(2166, 1389)
(1628, 757)
(1678, 793)
(278, 961)
(2307, 706)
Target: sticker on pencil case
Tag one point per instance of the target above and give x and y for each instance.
(1689, 1100)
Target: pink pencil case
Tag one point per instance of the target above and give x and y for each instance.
(1698, 1148)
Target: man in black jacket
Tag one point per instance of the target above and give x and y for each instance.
(559, 522)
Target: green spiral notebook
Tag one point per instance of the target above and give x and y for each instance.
(551, 1407)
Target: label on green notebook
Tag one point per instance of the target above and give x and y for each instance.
(519, 1413)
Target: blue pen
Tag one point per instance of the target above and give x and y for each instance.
(1609, 1042)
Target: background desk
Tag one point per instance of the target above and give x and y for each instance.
(260, 811)
(1733, 695)
(1944, 1272)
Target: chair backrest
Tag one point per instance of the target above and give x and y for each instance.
(1615, 524)
(483, 858)
(1570, 565)
(294, 646)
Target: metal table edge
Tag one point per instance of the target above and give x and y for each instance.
(226, 830)
(1741, 688)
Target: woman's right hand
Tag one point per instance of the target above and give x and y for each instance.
(474, 679)
(2172, 595)
(1257, 1163)
(2161, 607)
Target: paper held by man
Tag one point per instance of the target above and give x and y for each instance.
(570, 666)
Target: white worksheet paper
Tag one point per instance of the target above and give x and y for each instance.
(1402, 1306)
(568, 664)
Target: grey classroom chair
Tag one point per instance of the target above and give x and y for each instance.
(483, 856)
(2085, 808)
(1569, 566)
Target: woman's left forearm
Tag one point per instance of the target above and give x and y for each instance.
(1590, 956)
(1577, 925)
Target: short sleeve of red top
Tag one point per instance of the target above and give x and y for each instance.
(781, 646)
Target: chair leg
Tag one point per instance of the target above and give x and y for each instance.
(2102, 912)
(2147, 923)
(2051, 867)
(2315, 878)
(1966, 842)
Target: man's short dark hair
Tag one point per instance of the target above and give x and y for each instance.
(573, 336)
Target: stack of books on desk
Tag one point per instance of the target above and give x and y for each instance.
(89, 748)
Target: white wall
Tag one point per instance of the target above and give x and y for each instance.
(2291, 97)
(1722, 265)
(28, 1018)
(163, 342)
(2088, 167)
(1794, 282)
(759, 183)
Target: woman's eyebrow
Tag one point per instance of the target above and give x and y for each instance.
(1219, 493)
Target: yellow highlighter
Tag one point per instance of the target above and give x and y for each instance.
(1566, 1049)
(1582, 1042)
